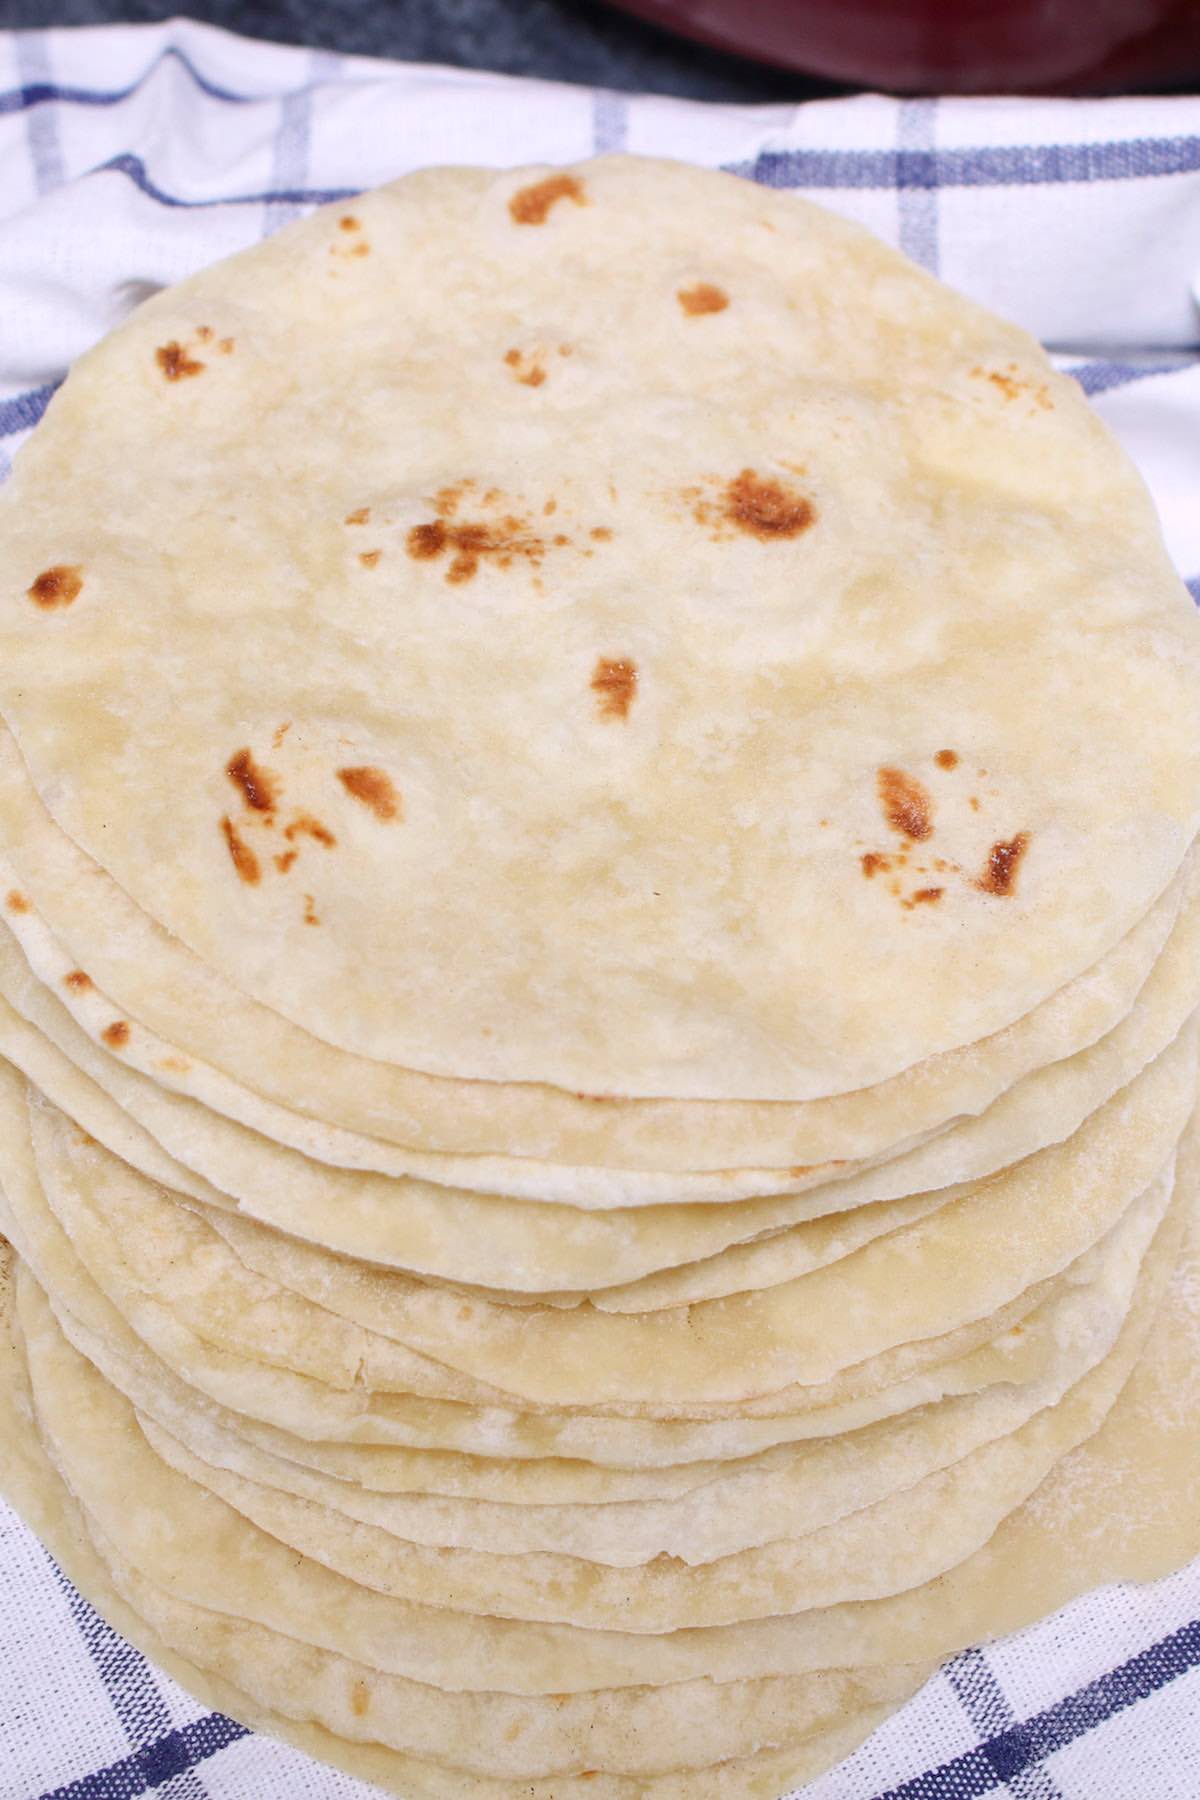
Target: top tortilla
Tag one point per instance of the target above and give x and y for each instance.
(682, 683)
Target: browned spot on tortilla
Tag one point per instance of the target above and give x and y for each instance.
(369, 558)
(526, 369)
(872, 862)
(702, 298)
(175, 362)
(374, 788)
(77, 981)
(946, 759)
(799, 1170)
(244, 859)
(500, 540)
(601, 533)
(1009, 382)
(279, 733)
(116, 1035)
(566, 349)
(17, 902)
(285, 859)
(360, 517)
(974, 802)
(57, 586)
(204, 333)
(304, 825)
(259, 787)
(360, 1698)
(349, 223)
(174, 1065)
(764, 507)
(614, 682)
(310, 916)
(226, 346)
(906, 804)
(926, 896)
(361, 250)
(1004, 860)
(551, 506)
(530, 205)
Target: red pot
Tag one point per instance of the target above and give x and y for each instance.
(956, 46)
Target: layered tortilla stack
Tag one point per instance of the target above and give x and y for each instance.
(599, 958)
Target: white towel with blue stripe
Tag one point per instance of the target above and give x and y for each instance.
(130, 156)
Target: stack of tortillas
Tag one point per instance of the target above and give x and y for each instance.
(600, 944)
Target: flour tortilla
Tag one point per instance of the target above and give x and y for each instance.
(34, 1486)
(921, 1280)
(1044, 1108)
(901, 1541)
(1015, 550)
(785, 1493)
(1068, 1538)
(142, 970)
(162, 1518)
(301, 1417)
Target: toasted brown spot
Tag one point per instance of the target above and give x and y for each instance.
(703, 298)
(926, 896)
(175, 1065)
(259, 787)
(77, 981)
(799, 1170)
(175, 362)
(1004, 860)
(766, 508)
(360, 1698)
(284, 861)
(349, 223)
(204, 333)
(57, 586)
(501, 540)
(361, 250)
(526, 369)
(601, 533)
(369, 558)
(226, 346)
(1009, 383)
(17, 902)
(974, 802)
(304, 825)
(614, 682)
(360, 517)
(427, 541)
(872, 863)
(374, 788)
(310, 916)
(116, 1035)
(530, 205)
(551, 506)
(946, 759)
(906, 804)
(279, 733)
(244, 859)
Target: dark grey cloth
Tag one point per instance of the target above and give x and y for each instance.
(563, 40)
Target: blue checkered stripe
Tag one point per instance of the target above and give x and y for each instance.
(1009, 1754)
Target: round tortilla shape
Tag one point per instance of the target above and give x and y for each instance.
(1044, 1108)
(1013, 551)
(1148, 1451)
(34, 1486)
(352, 1593)
(144, 971)
(784, 1494)
(300, 1417)
(922, 1279)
